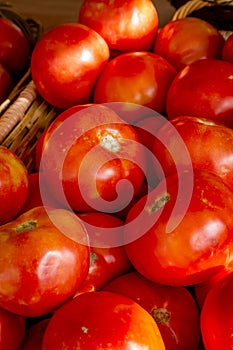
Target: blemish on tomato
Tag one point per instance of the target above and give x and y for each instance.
(159, 203)
(109, 142)
(26, 226)
(84, 329)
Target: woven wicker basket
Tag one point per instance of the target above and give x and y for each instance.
(24, 114)
(196, 8)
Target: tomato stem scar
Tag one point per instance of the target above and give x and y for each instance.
(159, 203)
(26, 226)
(109, 142)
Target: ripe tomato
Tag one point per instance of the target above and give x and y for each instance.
(98, 160)
(5, 83)
(14, 47)
(34, 335)
(106, 261)
(136, 77)
(217, 316)
(125, 25)
(185, 238)
(173, 308)
(203, 89)
(34, 195)
(187, 40)
(44, 259)
(13, 185)
(102, 319)
(227, 51)
(66, 62)
(209, 144)
(12, 330)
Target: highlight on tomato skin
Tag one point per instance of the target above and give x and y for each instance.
(174, 309)
(106, 318)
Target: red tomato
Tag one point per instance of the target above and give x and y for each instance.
(66, 62)
(106, 262)
(34, 335)
(5, 83)
(208, 143)
(125, 25)
(187, 40)
(217, 316)
(102, 319)
(99, 157)
(34, 196)
(183, 229)
(44, 259)
(14, 47)
(227, 51)
(203, 89)
(136, 77)
(13, 185)
(173, 308)
(12, 330)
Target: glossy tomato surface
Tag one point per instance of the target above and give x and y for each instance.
(185, 236)
(203, 89)
(66, 62)
(106, 262)
(217, 316)
(125, 25)
(14, 47)
(227, 50)
(12, 330)
(142, 78)
(104, 319)
(173, 308)
(187, 40)
(208, 143)
(92, 160)
(44, 258)
(14, 185)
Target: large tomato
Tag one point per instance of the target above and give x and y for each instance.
(216, 316)
(12, 330)
(92, 160)
(125, 25)
(44, 258)
(141, 78)
(175, 237)
(14, 47)
(66, 62)
(106, 261)
(103, 320)
(188, 39)
(209, 144)
(173, 308)
(13, 185)
(203, 89)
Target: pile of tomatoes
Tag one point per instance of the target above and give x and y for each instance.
(122, 236)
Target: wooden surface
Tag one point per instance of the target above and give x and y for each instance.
(52, 12)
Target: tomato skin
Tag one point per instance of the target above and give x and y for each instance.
(97, 148)
(34, 335)
(227, 50)
(66, 62)
(216, 315)
(138, 23)
(173, 308)
(208, 143)
(190, 251)
(187, 40)
(13, 43)
(106, 262)
(198, 90)
(13, 185)
(136, 77)
(55, 260)
(12, 330)
(5, 83)
(109, 319)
